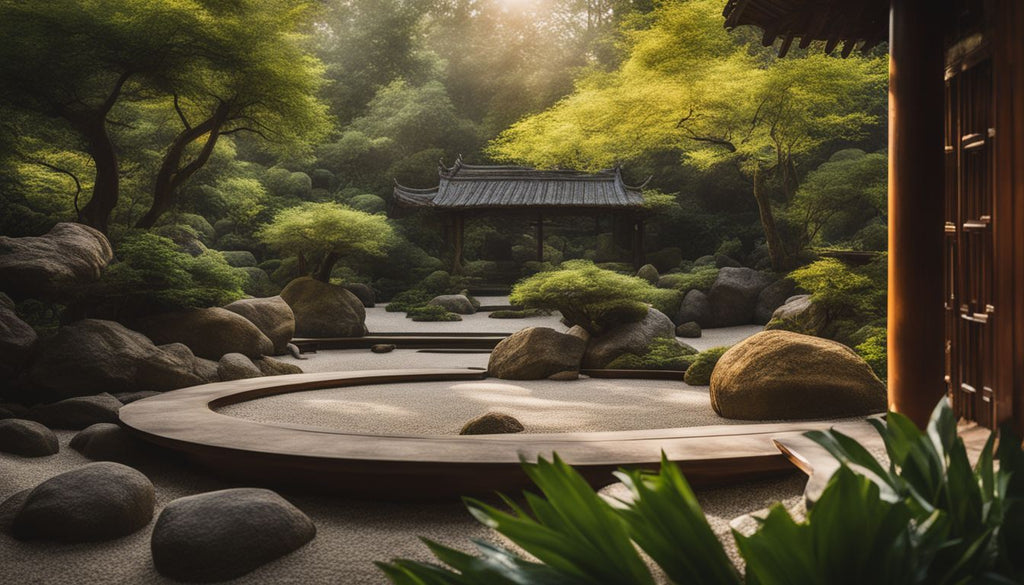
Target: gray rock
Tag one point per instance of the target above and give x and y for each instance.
(649, 273)
(207, 370)
(627, 338)
(772, 297)
(492, 423)
(79, 412)
(800, 315)
(690, 329)
(458, 304)
(98, 501)
(92, 356)
(209, 333)
(235, 366)
(324, 310)
(47, 266)
(5, 301)
(363, 292)
(239, 258)
(723, 261)
(272, 316)
(695, 307)
(27, 438)
(535, 353)
(776, 375)
(734, 295)
(271, 367)
(707, 260)
(225, 534)
(109, 442)
(17, 339)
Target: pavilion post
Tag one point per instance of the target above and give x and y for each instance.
(916, 104)
(540, 237)
(458, 230)
(638, 243)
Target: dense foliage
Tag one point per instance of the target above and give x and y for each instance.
(661, 354)
(924, 517)
(699, 372)
(591, 297)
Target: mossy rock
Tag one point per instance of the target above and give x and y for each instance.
(699, 372)
(432, 313)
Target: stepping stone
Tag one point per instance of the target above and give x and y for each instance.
(225, 534)
(99, 501)
(27, 438)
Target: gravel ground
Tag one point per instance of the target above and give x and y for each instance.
(543, 406)
(351, 534)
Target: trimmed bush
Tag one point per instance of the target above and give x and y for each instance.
(520, 314)
(588, 296)
(700, 278)
(661, 354)
(699, 372)
(407, 300)
(432, 313)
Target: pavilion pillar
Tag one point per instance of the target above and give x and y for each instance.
(458, 230)
(638, 243)
(540, 237)
(916, 337)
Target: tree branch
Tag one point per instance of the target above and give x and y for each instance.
(181, 115)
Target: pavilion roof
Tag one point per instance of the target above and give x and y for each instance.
(832, 21)
(464, 186)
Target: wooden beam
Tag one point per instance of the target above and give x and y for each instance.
(916, 109)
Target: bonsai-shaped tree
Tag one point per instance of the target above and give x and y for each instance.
(325, 232)
(591, 297)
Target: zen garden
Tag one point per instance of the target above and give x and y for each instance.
(511, 292)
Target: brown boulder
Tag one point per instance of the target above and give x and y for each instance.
(272, 316)
(535, 353)
(776, 375)
(17, 340)
(209, 333)
(44, 267)
(492, 423)
(324, 310)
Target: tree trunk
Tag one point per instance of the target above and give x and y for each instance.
(172, 174)
(776, 251)
(323, 272)
(105, 191)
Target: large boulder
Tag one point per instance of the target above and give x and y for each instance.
(695, 308)
(324, 310)
(225, 534)
(772, 297)
(492, 423)
(271, 367)
(98, 501)
(68, 255)
(209, 333)
(109, 442)
(17, 339)
(27, 438)
(235, 366)
(734, 295)
(79, 412)
(776, 375)
(535, 353)
(628, 338)
(459, 304)
(363, 292)
(272, 316)
(800, 314)
(690, 329)
(93, 356)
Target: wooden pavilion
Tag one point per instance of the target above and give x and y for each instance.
(956, 188)
(465, 191)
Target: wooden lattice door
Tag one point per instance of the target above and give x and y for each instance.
(970, 312)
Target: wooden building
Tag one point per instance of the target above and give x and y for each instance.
(956, 187)
(465, 191)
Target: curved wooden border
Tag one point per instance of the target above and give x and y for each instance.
(417, 467)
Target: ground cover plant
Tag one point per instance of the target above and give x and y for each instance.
(661, 354)
(925, 517)
(699, 372)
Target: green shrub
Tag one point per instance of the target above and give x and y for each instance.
(407, 300)
(699, 372)
(661, 354)
(520, 314)
(923, 517)
(588, 296)
(732, 247)
(197, 222)
(152, 271)
(432, 313)
(437, 282)
(700, 278)
(839, 290)
(874, 350)
(368, 203)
